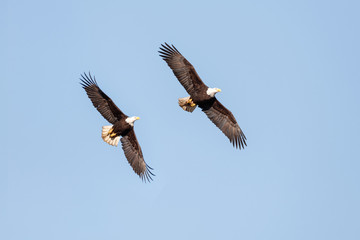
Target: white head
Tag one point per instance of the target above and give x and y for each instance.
(212, 91)
(131, 120)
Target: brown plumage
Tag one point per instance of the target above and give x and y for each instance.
(120, 128)
(214, 110)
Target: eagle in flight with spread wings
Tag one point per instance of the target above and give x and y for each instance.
(123, 126)
(202, 96)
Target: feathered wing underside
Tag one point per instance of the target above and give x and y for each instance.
(183, 70)
(226, 122)
(135, 157)
(100, 100)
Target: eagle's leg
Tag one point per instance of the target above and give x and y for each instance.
(111, 133)
(191, 103)
(109, 136)
(187, 104)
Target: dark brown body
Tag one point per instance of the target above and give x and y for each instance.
(205, 103)
(122, 128)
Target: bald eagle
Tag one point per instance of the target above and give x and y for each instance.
(123, 126)
(202, 96)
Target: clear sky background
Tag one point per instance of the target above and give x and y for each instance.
(288, 70)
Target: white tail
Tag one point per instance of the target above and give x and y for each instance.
(184, 104)
(106, 136)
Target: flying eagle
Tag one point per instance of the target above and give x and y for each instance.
(201, 95)
(123, 126)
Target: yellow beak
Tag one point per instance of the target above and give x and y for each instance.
(219, 90)
(137, 118)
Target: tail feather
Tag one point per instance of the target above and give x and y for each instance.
(184, 104)
(114, 141)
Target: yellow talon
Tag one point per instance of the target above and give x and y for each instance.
(190, 101)
(111, 130)
(113, 135)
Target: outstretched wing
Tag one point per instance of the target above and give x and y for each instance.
(183, 70)
(135, 157)
(100, 100)
(226, 122)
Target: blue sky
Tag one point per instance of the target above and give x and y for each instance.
(288, 70)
